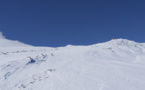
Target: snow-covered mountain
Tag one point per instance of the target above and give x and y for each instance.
(118, 64)
(10, 43)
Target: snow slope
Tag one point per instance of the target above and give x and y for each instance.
(10, 43)
(114, 65)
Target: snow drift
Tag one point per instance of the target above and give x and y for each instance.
(10, 43)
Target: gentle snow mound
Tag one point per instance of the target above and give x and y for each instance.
(10, 43)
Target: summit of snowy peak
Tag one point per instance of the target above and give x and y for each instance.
(127, 43)
(123, 42)
(10, 43)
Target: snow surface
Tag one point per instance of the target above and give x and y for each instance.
(115, 65)
(10, 43)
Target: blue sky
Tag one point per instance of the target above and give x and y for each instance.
(78, 22)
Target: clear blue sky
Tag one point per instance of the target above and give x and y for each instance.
(78, 22)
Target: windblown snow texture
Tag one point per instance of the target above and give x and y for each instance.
(115, 65)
